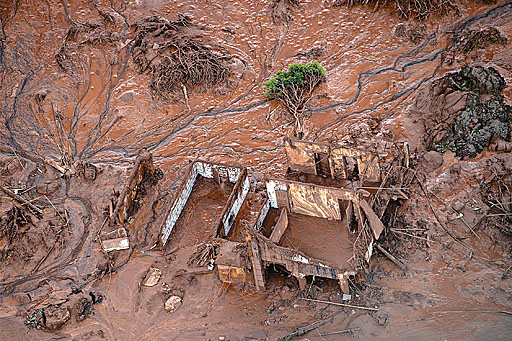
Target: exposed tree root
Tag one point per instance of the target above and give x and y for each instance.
(177, 55)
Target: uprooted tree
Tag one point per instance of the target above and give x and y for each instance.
(179, 55)
(294, 88)
(417, 9)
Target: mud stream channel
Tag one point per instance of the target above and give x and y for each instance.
(78, 95)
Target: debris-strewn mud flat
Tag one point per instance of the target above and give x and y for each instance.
(400, 214)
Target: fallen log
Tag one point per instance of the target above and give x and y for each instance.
(20, 199)
(340, 304)
(392, 258)
(300, 331)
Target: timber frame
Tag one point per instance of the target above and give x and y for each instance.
(333, 203)
(310, 200)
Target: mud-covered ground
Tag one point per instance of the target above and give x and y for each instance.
(82, 93)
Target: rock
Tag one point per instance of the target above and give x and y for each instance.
(56, 317)
(381, 319)
(172, 303)
(458, 205)
(128, 97)
(21, 298)
(431, 161)
(47, 188)
(90, 172)
(152, 277)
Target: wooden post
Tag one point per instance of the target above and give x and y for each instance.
(257, 266)
(280, 227)
(343, 284)
(302, 283)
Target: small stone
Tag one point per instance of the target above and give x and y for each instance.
(90, 172)
(152, 278)
(381, 319)
(458, 205)
(172, 303)
(431, 161)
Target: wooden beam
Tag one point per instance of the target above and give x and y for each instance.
(280, 228)
(375, 223)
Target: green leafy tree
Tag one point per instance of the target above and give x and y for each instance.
(294, 88)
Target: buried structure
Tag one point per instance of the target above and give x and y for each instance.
(209, 189)
(319, 221)
(318, 230)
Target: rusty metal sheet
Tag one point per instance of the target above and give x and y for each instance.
(280, 227)
(231, 274)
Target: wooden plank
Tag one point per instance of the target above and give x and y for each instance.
(257, 266)
(116, 244)
(369, 168)
(282, 224)
(349, 213)
(375, 223)
(282, 199)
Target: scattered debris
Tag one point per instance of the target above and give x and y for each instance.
(409, 9)
(143, 176)
(471, 40)
(415, 33)
(52, 317)
(152, 277)
(172, 304)
(233, 263)
(204, 254)
(115, 240)
(21, 200)
(340, 304)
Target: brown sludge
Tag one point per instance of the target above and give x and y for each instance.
(122, 121)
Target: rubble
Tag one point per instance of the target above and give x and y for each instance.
(333, 251)
(152, 277)
(172, 303)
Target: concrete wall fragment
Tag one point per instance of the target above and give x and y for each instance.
(234, 174)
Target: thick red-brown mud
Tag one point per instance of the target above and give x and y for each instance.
(77, 95)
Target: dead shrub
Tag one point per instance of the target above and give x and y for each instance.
(177, 55)
(415, 9)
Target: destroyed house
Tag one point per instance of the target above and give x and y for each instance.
(316, 230)
(332, 160)
(230, 179)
